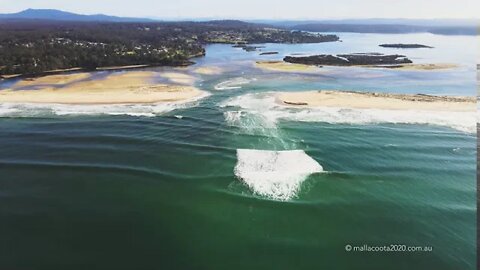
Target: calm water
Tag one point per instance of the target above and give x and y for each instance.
(86, 188)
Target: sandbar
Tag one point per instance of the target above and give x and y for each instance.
(284, 66)
(178, 78)
(438, 66)
(117, 88)
(208, 70)
(52, 80)
(372, 100)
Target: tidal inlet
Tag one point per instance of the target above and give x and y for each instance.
(222, 136)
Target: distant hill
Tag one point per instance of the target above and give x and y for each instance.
(388, 28)
(58, 15)
(434, 26)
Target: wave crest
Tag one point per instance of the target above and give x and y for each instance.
(42, 110)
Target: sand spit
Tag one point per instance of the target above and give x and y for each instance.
(117, 88)
(371, 100)
(293, 67)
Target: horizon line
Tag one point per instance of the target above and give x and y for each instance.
(155, 17)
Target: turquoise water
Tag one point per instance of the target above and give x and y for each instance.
(102, 191)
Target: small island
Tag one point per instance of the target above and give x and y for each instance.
(268, 53)
(354, 59)
(404, 46)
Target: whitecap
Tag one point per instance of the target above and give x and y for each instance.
(233, 118)
(231, 84)
(275, 174)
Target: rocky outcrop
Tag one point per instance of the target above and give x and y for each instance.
(268, 53)
(355, 59)
(246, 47)
(404, 46)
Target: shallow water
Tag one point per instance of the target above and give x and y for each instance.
(153, 186)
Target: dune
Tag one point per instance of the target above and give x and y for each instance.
(371, 100)
(118, 88)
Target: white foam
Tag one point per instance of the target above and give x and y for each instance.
(139, 110)
(264, 104)
(233, 117)
(275, 174)
(235, 83)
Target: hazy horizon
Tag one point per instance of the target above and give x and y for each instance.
(265, 10)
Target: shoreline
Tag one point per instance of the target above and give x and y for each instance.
(373, 100)
(81, 70)
(281, 66)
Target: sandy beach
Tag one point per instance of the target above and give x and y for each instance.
(284, 66)
(370, 100)
(119, 88)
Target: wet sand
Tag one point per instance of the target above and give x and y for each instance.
(284, 66)
(178, 78)
(439, 66)
(208, 70)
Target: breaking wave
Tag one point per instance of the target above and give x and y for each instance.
(275, 174)
(235, 83)
(43, 110)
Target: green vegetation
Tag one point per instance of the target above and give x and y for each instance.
(35, 47)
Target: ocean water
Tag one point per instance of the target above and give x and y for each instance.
(232, 181)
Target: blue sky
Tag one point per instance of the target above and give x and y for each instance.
(259, 9)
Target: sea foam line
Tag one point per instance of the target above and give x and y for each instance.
(231, 84)
(139, 110)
